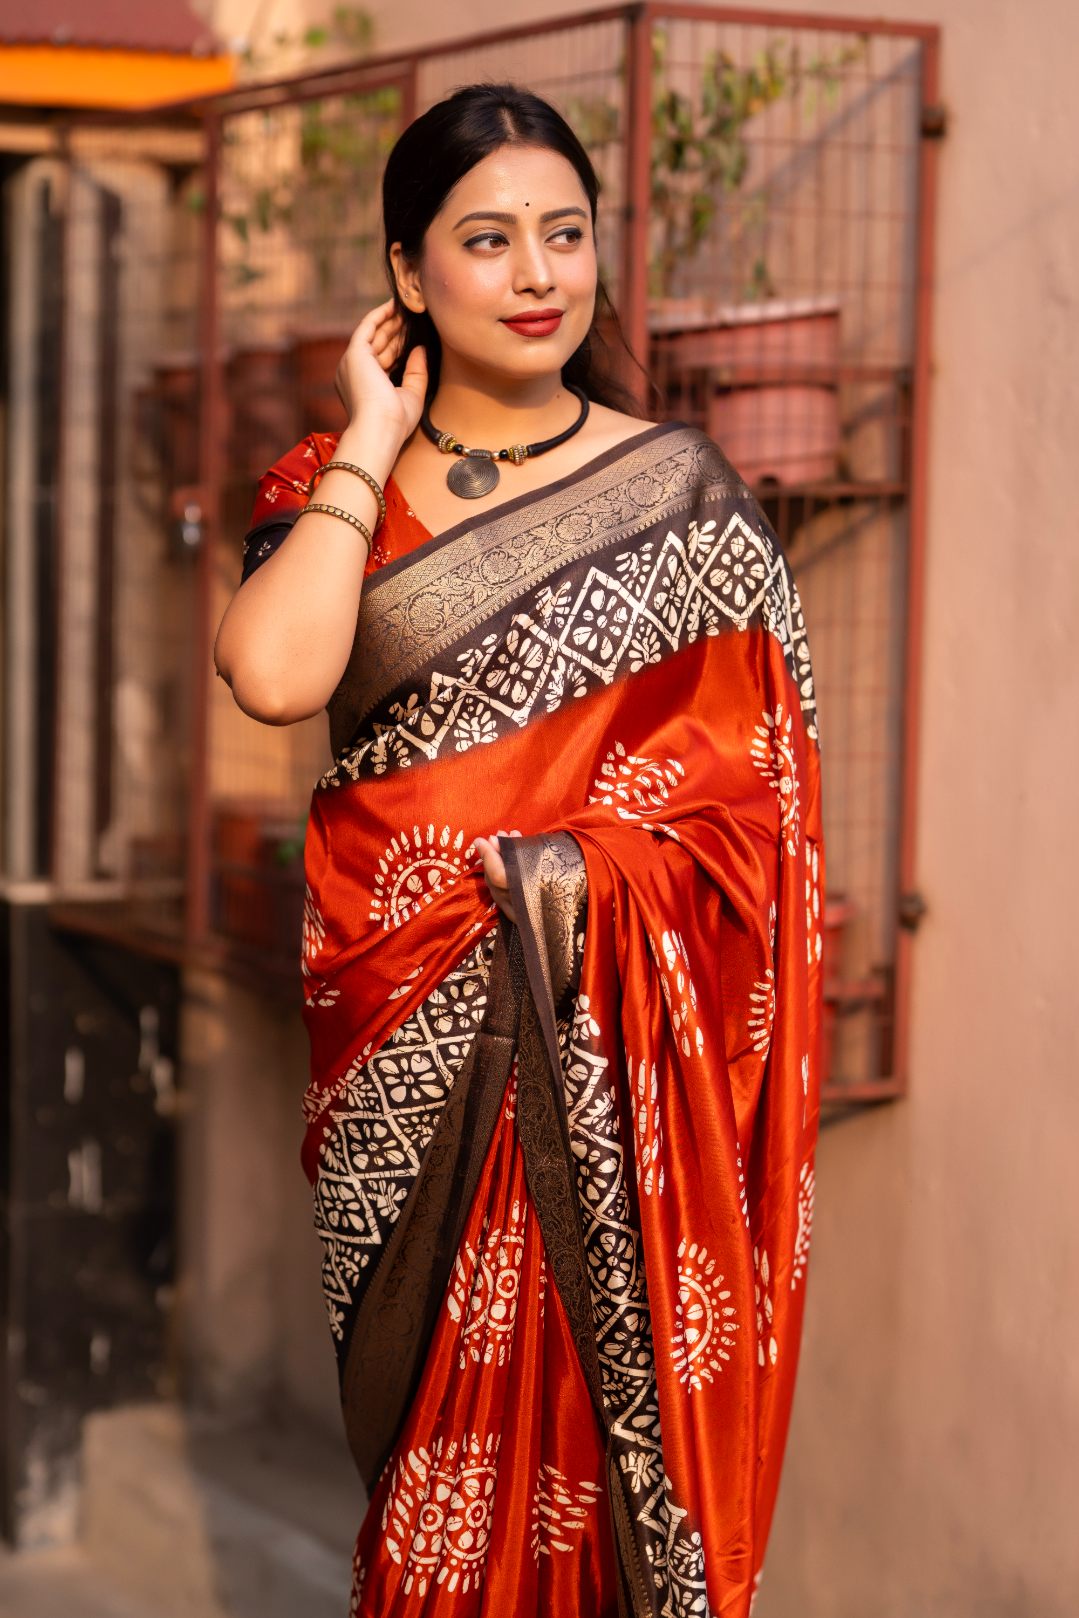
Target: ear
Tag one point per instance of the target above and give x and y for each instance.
(407, 277)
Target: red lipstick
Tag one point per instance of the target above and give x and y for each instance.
(536, 322)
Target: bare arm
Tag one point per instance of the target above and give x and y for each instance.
(286, 635)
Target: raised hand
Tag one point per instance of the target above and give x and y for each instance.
(362, 381)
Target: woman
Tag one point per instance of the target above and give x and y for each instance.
(562, 937)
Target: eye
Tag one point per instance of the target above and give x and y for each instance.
(573, 231)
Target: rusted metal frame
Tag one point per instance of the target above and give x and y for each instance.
(842, 1100)
(906, 873)
(884, 1047)
(111, 215)
(196, 913)
(52, 785)
(633, 293)
(847, 277)
(858, 1094)
(832, 490)
(361, 79)
(820, 22)
(766, 373)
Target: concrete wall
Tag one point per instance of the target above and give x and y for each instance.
(931, 1468)
(254, 1322)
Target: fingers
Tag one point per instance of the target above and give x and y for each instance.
(490, 841)
(494, 872)
(386, 334)
(372, 320)
(414, 376)
(390, 334)
(492, 861)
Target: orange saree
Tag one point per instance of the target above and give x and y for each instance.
(562, 1168)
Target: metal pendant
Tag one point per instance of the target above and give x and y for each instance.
(472, 475)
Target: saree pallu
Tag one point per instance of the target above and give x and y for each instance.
(563, 1168)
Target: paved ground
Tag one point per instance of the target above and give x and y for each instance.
(58, 1584)
(183, 1517)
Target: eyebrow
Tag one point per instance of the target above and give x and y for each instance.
(511, 218)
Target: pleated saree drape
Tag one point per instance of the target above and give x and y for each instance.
(563, 1168)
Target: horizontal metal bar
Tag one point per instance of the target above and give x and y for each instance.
(360, 79)
(888, 1089)
(774, 372)
(825, 492)
(820, 22)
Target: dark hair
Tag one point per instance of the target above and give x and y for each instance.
(431, 155)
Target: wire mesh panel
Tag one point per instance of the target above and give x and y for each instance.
(774, 226)
(762, 229)
(782, 267)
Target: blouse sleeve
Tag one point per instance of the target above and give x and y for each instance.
(281, 496)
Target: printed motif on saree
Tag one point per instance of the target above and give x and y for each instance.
(563, 1170)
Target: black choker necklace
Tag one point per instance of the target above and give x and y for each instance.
(476, 472)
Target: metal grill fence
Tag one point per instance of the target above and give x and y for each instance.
(765, 232)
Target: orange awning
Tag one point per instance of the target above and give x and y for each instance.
(78, 76)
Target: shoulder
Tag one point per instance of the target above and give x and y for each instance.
(663, 438)
(314, 449)
(610, 427)
(686, 458)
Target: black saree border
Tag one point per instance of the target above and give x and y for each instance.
(382, 1363)
(547, 880)
(519, 502)
(411, 611)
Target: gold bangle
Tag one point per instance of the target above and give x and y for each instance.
(338, 511)
(347, 466)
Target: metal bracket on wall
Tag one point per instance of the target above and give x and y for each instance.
(912, 907)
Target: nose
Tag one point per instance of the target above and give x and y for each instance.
(532, 271)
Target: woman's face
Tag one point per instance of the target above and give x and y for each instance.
(513, 237)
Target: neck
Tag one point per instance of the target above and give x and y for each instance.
(498, 411)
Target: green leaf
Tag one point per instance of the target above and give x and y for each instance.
(243, 274)
(263, 203)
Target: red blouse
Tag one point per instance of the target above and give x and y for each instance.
(282, 495)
